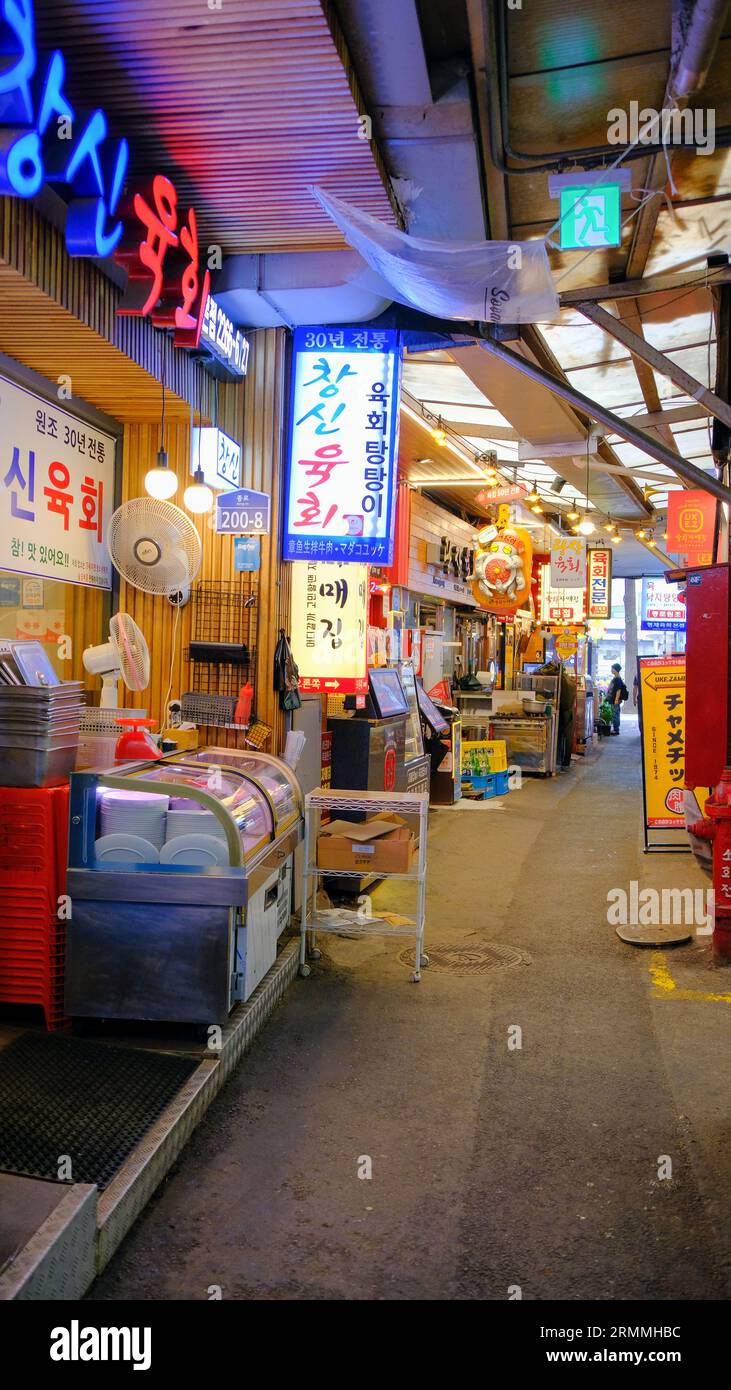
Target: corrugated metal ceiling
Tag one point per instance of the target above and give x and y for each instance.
(244, 107)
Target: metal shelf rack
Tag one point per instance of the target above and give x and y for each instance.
(407, 804)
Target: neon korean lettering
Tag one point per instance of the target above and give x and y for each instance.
(92, 173)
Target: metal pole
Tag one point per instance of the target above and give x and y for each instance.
(694, 477)
(618, 329)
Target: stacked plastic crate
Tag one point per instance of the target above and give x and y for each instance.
(33, 915)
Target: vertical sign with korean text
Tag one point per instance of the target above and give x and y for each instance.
(56, 491)
(568, 562)
(343, 445)
(599, 582)
(662, 712)
(561, 605)
(662, 609)
(691, 524)
(329, 627)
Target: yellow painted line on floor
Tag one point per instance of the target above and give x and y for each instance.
(665, 987)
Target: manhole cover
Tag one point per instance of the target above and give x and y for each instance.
(475, 959)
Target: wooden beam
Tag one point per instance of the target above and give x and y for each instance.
(475, 431)
(690, 474)
(687, 383)
(676, 414)
(628, 311)
(653, 284)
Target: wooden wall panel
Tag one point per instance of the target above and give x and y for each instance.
(252, 413)
(58, 314)
(428, 524)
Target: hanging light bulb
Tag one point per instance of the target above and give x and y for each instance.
(573, 515)
(198, 497)
(161, 482)
(651, 540)
(610, 526)
(534, 495)
(586, 526)
(640, 534)
(537, 508)
(438, 433)
(616, 540)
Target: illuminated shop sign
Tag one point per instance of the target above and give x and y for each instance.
(56, 494)
(561, 605)
(343, 445)
(329, 617)
(218, 456)
(226, 344)
(568, 562)
(161, 256)
(44, 141)
(599, 583)
(662, 608)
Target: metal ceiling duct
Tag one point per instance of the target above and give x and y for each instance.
(287, 288)
(697, 28)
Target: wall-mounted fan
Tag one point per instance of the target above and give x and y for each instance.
(155, 547)
(124, 657)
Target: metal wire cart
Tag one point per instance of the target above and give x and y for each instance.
(413, 808)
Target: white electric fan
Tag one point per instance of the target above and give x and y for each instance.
(124, 657)
(155, 547)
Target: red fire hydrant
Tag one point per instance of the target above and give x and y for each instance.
(716, 827)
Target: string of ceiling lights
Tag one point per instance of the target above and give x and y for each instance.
(582, 522)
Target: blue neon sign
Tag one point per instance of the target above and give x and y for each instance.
(43, 141)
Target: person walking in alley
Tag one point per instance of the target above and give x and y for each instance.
(616, 695)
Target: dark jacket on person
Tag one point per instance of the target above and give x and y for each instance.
(617, 687)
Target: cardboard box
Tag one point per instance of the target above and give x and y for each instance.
(384, 844)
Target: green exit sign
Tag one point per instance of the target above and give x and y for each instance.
(590, 216)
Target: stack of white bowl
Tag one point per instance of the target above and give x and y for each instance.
(134, 813)
(194, 822)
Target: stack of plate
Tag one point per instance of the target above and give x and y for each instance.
(39, 733)
(200, 822)
(141, 814)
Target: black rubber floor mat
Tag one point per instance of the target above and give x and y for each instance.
(61, 1097)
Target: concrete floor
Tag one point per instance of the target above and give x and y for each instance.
(491, 1167)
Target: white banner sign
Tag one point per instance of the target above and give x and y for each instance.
(568, 562)
(56, 491)
(560, 605)
(662, 608)
(329, 627)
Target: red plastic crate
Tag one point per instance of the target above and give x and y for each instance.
(33, 850)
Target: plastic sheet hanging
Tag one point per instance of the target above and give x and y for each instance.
(487, 281)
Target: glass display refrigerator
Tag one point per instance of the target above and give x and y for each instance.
(180, 876)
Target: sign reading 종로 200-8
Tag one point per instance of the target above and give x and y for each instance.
(343, 445)
(243, 513)
(56, 491)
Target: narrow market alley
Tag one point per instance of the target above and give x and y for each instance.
(589, 1162)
